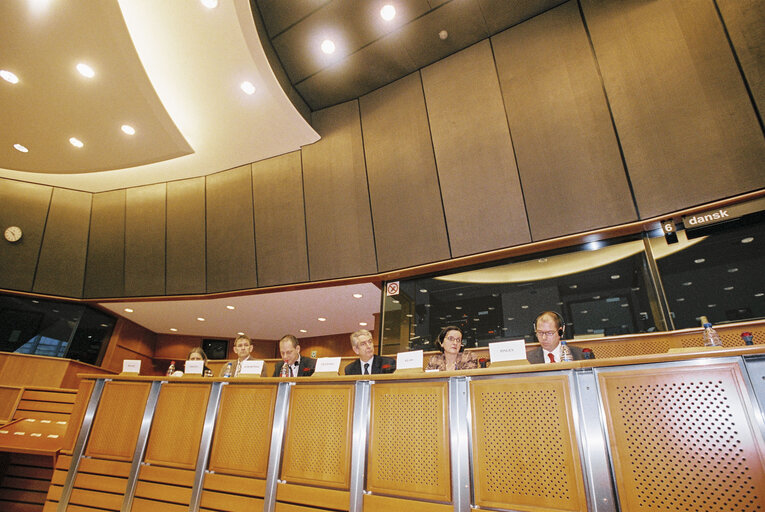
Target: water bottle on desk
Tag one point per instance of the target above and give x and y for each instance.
(711, 338)
(171, 368)
(227, 372)
(284, 371)
(565, 352)
(747, 338)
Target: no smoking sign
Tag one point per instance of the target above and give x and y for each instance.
(392, 289)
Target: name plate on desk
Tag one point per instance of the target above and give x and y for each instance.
(131, 367)
(193, 367)
(326, 366)
(252, 368)
(507, 353)
(410, 362)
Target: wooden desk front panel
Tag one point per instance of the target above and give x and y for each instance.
(317, 443)
(525, 451)
(118, 420)
(409, 441)
(681, 439)
(242, 437)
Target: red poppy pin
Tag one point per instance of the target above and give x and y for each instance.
(385, 366)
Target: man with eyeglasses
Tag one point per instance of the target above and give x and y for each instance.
(368, 363)
(549, 328)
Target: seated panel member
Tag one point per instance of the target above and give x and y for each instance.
(368, 362)
(297, 365)
(242, 348)
(197, 354)
(549, 328)
(452, 357)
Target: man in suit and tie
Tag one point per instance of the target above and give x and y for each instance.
(294, 364)
(242, 348)
(367, 363)
(549, 328)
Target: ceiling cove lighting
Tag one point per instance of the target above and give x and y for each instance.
(19, 147)
(388, 12)
(8, 76)
(247, 87)
(328, 47)
(74, 141)
(85, 70)
(129, 130)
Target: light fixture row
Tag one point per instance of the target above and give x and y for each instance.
(387, 13)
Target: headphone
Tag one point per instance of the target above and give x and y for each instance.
(442, 336)
(558, 319)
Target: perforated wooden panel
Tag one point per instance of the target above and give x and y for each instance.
(409, 443)
(317, 445)
(525, 453)
(177, 426)
(118, 420)
(242, 436)
(681, 438)
(624, 348)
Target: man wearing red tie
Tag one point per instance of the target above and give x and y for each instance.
(549, 327)
(367, 363)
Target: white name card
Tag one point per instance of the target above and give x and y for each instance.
(131, 366)
(408, 360)
(193, 367)
(252, 367)
(512, 350)
(327, 364)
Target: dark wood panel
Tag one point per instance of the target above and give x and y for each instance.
(745, 22)
(186, 236)
(686, 124)
(145, 240)
(61, 269)
(277, 188)
(230, 231)
(24, 205)
(407, 213)
(482, 193)
(500, 14)
(338, 214)
(567, 153)
(105, 271)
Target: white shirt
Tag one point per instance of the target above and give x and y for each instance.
(555, 353)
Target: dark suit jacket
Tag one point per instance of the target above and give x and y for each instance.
(307, 367)
(536, 356)
(379, 365)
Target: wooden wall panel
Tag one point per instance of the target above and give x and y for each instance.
(686, 124)
(129, 341)
(407, 212)
(230, 231)
(145, 240)
(118, 420)
(568, 156)
(186, 236)
(480, 187)
(105, 270)
(745, 23)
(24, 205)
(277, 188)
(338, 215)
(61, 267)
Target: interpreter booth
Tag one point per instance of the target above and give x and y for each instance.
(678, 431)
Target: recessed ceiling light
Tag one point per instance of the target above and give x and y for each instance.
(230, 307)
(240, 334)
(210, 4)
(321, 319)
(680, 299)
(525, 306)
(328, 47)
(427, 305)
(409, 315)
(625, 305)
(759, 294)
(596, 297)
(200, 319)
(388, 12)
(85, 70)
(19, 147)
(458, 307)
(443, 34)
(74, 141)
(357, 295)
(604, 319)
(711, 305)
(460, 294)
(395, 301)
(584, 311)
(699, 260)
(541, 260)
(615, 276)
(747, 240)
(423, 290)
(128, 310)
(573, 286)
(128, 129)
(8, 76)
(247, 87)
(510, 318)
(173, 329)
(734, 269)
(728, 288)
(687, 283)
(303, 330)
(363, 324)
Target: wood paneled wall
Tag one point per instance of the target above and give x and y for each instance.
(592, 114)
(130, 341)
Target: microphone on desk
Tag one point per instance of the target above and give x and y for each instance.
(587, 353)
(284, 371)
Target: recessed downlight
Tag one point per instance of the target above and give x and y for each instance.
(19, 147)
(230, 307)
(85, 70)
(240, 334)
(173, 329)
(747, 240)
(303, 330)
(321, 319)
(388, 12)
(129, 130)
(363, 324)
(328, 46)
(128, 310)
(699, 260)
(210, 4)
(357, 295)
(74, 141)
(247, 87)
(9, 76)
(200, 319)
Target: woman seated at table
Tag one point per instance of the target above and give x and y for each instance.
(197, 354)
(452, 357)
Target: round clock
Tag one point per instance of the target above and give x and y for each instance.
(13, 234)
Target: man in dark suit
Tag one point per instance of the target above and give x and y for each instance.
(294, 364)
(549, 327)
(368, 362)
